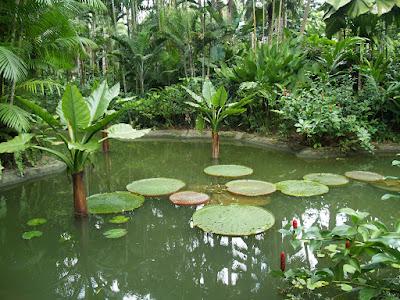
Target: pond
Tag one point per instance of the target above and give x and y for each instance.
(162, 257)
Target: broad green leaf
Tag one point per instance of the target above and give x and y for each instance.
(17, 144)
(208, 91)
(153, 187)
(115, 233)
(383, 6)
(125, 132)
(115, 202)
(233, 220)
(343, 230)
(90, 147)
(367, 293)
(228, 171)
(349, 269)
(351, 212)
(345, 287)
(327, 178)
(250, 187)
(100, 99)
(119, 220)
(31, 234)
(193, 95)
(338, 3)
(358, 7)
(301, 188)
(220, 97)
(36, 222)
(75, 109)
(38, 111)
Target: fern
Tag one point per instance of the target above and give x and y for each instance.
(14, 117)
(39, 86)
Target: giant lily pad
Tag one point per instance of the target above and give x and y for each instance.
(226, 198)
(116, 202)
(125, 132)
(153, 187)
(250, 187)
(115, 233)
(233, 220)
(364, 176)
(302, 188)
(388, 184)
(31, 234)
(228, 171)
(189, 198)
(327, 178)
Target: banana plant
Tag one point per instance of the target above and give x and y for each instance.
(213, 108)
(83, 118)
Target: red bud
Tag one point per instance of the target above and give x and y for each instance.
(283, 261)
(294, 224)
(348, 244)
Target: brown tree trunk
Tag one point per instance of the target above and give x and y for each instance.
(305, 17)
(80, 205)
(215, 145)
(105, 143)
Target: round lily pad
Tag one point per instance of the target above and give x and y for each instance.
(233, 220)
(119, 220)
(31, 234)
(36, 221)
(153, 187)
(115, 233)
(327, 178)
(302, 188)
(228, 171)
(388, 184)
(250, 187)
(189, 198)
(116, 202)
(364, 176)
(226, 198)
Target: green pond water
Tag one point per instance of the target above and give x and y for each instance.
(162, 257)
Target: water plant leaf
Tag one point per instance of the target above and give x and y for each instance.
(301, 188)
(189, 198)
(327, 178)
(119, 219)
(115, 233)
(233, 220)
(250, 187)
(36, 221)
(364, 176)
(226, 198)
(388, 184)
(31, 234)
(153, 187)
(125, 132)
(115, 202)
(228, 170)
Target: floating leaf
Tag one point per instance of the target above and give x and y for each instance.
(250, 187)
(115, 233)
(233, 220)
(189, 198)
(390, 196)
(327, 178)
(31, 234)
(36, 221)
(125, 132)
(119, 220)
(388, 184)
(228, 171)
(115, 202)
(153, 187)
(226, 198)
(301, 188)
(364, 176)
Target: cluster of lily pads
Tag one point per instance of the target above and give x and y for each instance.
(27, 235)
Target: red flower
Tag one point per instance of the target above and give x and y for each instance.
(294, 224)
(283, 261)
(348, 244)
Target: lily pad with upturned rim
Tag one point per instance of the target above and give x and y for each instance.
(302, 188)
(187, 198)
(364, 176)
(226, 198)
(31, 234)
(153, 187)
(228, 171)
(119, 220)
(36, 222)
(327, 178)
(116, 202)
(250, 188)
(388, 184)
(233, 220)
(115, 233)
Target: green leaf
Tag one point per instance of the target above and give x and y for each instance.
(59, 155)
(357, 214)
(200, 123)
(220, 97)
(208, 91)
(15, 117)
(349, 269)
(12, 67)
(116, 202)
(343, 230)
(367, 293)
(100, 99)
(115, 233)
(345, 287)
(338, 3)
(125, 132)
(119, 219)
(38, 111)
(17, 144)
(36, 221)
(31, 234)
(75, 109)
(193, 95)
(90, 147)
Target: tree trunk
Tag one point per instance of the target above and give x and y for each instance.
(215, 145)
(305, 17)
(80, 205)
(105, 143)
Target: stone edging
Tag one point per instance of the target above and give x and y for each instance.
(271, 142)
(46, 166)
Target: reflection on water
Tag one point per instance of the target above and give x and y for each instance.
(162, 257)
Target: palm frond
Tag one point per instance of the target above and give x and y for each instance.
(12, 67)
(14, 117)
(39, 111)
(40, 86)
